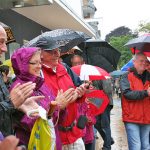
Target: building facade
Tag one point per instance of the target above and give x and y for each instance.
(28, 18)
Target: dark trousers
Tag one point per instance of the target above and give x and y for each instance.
(103, 127)
(89, 146)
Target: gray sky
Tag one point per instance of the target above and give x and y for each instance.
(116, 13)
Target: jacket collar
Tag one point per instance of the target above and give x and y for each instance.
(144, 76)
(60, 70)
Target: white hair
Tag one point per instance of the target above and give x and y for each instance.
(135, 57)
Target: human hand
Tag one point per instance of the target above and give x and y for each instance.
(30, 104)
(63, 99)
(10, 143)
(5, 78)
(87, 84)
(21, 92)
(79, 92)
(82, 89)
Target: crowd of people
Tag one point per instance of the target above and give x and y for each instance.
(43, 79)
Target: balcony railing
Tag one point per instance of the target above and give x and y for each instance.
(6, 4)
(88, 10)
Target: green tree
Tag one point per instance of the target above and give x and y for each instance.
(120, 31)
(144, 27)
(118, 43)
(118, 38)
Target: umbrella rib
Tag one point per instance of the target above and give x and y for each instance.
(106, 59)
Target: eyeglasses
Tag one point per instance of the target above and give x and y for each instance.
(35, 63)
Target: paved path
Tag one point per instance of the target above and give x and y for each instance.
(117, 128)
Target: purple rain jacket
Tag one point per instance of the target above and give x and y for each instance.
(20, 60)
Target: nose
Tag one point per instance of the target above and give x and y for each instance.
(39, 65)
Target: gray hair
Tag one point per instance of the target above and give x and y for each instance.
(135, 57)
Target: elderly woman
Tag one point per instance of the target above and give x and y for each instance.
(26, 63)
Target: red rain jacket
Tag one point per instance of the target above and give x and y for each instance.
(138, 110)
(57, 81)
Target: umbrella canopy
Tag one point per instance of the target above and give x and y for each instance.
(100, 53)
(134, 51)
(10, 36)
(89, 72)
(127, 66)
(98, 101)
(84, 35)
(64, 39)
(141, 43)
(117, 73)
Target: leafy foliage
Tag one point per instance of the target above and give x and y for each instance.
(118, 43)
(120, 31)
(144, 27)
(118, 38)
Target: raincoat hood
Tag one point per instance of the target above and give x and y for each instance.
(20, 63)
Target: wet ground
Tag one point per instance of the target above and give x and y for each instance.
(117, 128)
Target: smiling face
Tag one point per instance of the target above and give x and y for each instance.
(3, 39)
(35, 64)
(50, 57)
(140, 63)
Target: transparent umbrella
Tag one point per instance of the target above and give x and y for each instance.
(64, 39)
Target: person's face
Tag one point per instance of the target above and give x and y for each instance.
(77, 61)
(3, 38)
(50, 57)
(140, 63)
(35, 64)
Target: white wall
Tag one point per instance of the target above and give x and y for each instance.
(75, 5)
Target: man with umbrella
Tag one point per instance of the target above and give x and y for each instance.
(135, 104)
(56, 78)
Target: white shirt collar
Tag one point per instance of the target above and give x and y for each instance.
(54, 68)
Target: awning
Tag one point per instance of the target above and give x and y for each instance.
(54, 16)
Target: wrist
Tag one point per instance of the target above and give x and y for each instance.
(11, 102)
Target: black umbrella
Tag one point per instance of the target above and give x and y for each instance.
(65, 39)
(141, 43)
(100, 53)
(10, 36)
